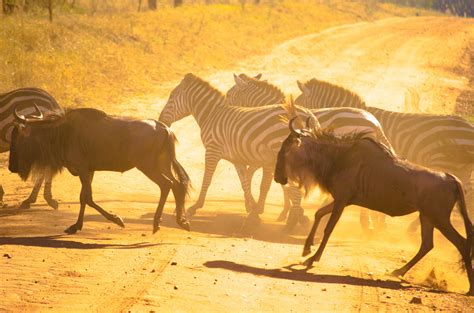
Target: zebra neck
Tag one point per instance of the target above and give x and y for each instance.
(204, 111)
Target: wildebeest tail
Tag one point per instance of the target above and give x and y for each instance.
(465, 216)
(178, 170)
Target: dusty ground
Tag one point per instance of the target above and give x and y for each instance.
(217, 266)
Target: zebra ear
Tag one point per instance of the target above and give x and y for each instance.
(258, 76)
(302, 87)
(239, 81)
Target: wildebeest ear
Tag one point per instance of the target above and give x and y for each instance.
(239, 81)
(258, 76)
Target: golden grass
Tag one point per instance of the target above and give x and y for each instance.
(97, 60)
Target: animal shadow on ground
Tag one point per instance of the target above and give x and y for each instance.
(234, 225)
(302, 275)
(58, 241)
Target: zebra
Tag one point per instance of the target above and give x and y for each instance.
(252, 91)
(24, 100)
(243, 136)
(442, 142)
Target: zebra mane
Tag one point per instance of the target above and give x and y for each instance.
(191, 78)
(316, 83)
(263, 85)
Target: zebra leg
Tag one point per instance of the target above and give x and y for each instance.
(48, 195)
(267, 178)
(212, 158)
(33, 196)
(250, 203)
(287, 204)
(296, 212)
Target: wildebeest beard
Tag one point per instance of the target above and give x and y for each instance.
(41, 152)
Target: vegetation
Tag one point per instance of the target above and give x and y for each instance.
(117, 54)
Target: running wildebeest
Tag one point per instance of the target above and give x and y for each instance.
(361, 171)
(88, 140)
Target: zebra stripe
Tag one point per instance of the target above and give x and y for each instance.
(243, 136)
(24, 100)
(442, 142)
(251, 92)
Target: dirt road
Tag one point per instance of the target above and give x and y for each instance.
(216, 266)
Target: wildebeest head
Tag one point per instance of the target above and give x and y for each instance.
(34, 144)
(292, 142)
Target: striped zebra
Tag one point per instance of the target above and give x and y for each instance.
(251, 92)
(442, 142)
(243, 136)
(24, 100)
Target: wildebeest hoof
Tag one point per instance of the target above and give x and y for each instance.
(25, 205)
(156, 228)
(52, 203)
(71, 229)
(306, 251)
(118, 220)
(308, 263)
(184, 224)
(470, 292)
(397, 273)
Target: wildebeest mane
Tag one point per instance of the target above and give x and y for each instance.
(321, 156)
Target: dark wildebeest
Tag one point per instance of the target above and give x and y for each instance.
(88, 140)
(360, 171)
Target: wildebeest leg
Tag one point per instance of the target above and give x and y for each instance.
(179, 193)
(212, 158)
(337, 210)
(427, 228)
(286, 205)
(2, 193)
(34, 194)
(48, 195)
(460, 243)
(243, 173)
(86, 198)
(317, 218)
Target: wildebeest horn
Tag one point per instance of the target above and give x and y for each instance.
(23, 120)
(291, 126)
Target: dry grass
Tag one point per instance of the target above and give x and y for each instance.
(95, 60)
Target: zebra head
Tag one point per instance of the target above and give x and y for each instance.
(317, 94)
(305, 98)
(252, 92)
(178, 105)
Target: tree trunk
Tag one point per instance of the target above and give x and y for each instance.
(139, 5)
(50, 10)
(152, 4)
(177, 3)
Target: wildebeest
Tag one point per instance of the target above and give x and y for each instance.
(363, 172)
(24, 99)
(88, 140)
